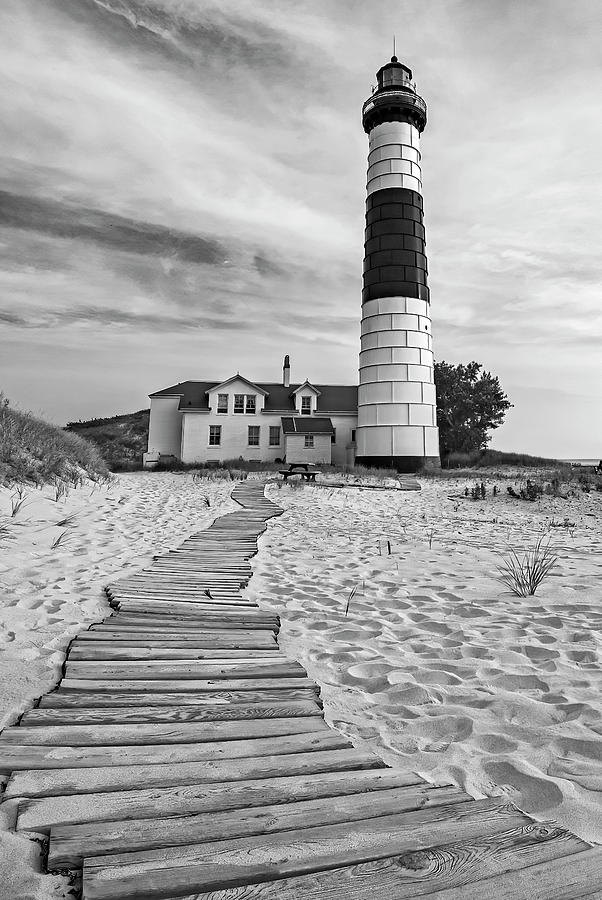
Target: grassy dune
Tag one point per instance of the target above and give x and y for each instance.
(32, 450)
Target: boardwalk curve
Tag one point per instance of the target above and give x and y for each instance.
(183, 755)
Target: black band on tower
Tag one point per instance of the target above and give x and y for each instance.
(395, 256)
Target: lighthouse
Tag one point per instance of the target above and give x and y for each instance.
(397, 413)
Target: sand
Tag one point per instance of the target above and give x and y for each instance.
(437, 666)
(48, 595)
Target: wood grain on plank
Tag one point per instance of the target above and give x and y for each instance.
(58, 782)
(189, 799)
(422, 873)
(157, 733)
(185, 684)
(66, 699)
(181, 636)
(171, 713)
(88, 652)
(18, 757)
(70, 844)
(188, 613)
(183, 668)
(152, 873)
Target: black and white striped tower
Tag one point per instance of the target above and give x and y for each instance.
(397, 418)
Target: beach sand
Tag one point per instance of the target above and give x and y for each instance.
(48, 595)
(437, 667)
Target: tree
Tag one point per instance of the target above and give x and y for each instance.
(470, 403)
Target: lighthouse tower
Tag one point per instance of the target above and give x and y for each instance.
(397, 424)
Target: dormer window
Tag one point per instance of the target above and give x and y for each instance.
(306, 406)
(250, 404)
(239, 403)
(222, 403)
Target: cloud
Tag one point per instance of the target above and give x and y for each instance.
(66, 220)
(186, 178)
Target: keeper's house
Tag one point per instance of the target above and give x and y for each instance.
(210, 421)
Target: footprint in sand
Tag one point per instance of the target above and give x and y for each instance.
(587, 775)
(494, 743)
(528, 791)
(443, 729)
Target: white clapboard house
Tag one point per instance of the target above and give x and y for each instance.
(213, 421)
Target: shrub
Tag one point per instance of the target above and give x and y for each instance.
(531, 490)
(523, 575)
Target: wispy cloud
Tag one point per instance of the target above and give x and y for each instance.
(183, 185)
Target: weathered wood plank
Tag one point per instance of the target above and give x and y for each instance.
(161, 803)
(422, 873)
(150, 600)
(185, 684)
(187, 613)
(312, 759)
(216, 637)
(183, 668)
(18, 757)
(70, 844)
(90, 651)
(132, 713)
(157, 733)
(66, 699)
(568, 878)
(189, 608)
(197, 617)
(154, 873)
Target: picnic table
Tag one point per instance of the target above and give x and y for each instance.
(301, 469)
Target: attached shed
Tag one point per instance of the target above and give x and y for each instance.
(307, 440)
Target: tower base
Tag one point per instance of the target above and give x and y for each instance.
(405, 464)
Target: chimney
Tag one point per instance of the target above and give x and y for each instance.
(286, 372)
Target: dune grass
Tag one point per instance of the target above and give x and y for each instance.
(34, 451)
(523, 574)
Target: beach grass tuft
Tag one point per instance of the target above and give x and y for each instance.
(523, 574)
(58, 540)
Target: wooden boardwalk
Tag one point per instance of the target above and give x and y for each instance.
(184, 756)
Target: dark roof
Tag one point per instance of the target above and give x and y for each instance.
(306, 425)
(333, 397)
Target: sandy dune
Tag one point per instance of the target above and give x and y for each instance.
(437, 666)
(47, 595)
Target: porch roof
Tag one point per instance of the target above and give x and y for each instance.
(307, 425)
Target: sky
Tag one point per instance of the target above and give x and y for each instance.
(182, 187)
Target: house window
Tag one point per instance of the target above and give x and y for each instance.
(353, 434)
(309, 440)
(215, 435)
(274, 435)
(239, 403)
(306, 406)
(250, 403)
(253, 435)
(333, 436)
(222, 403)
